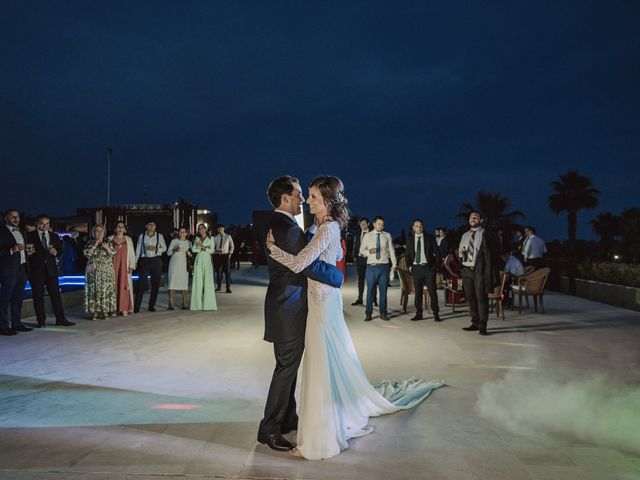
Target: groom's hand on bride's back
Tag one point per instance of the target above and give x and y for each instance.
(324, 272)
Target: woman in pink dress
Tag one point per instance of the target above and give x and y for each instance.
(124, 263)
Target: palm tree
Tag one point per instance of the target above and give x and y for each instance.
(573, 192)
(607, 226)
(630, 219)
(494, 209)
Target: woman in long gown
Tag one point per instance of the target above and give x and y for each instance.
(178, 274)
(203, 295)
(336, 398)
(99, 293)
(124, 263)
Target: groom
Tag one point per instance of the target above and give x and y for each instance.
(285, 312)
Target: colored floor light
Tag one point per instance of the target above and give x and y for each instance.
(175, 406)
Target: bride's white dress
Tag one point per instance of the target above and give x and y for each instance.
(336, 397)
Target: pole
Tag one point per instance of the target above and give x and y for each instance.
(109, 177)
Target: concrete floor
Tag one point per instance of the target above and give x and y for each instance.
(180, 394)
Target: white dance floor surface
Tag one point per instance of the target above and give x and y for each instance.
(179, 394)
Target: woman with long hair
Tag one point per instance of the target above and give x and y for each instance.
(336, 398)
(124, 263)
(203, 295)
(100, 294)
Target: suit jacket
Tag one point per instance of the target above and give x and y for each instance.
(444, 246)
(285, 306)
(431, 250)
(487, 260)
(9, 263)
(357, 242)
(42, 259)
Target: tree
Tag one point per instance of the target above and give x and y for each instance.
(630, 219)
(607, 226)
(494, 209)
(571, 193)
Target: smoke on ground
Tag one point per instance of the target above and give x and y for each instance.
(592, 410)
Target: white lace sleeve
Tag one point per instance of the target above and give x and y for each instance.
(308, 254)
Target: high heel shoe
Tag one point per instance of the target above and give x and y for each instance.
(296, 453)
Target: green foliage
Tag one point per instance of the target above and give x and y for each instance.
(611, 272)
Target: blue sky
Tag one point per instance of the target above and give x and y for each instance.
(416, 106)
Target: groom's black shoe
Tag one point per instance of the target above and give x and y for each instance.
(275, 441)
(471, 328)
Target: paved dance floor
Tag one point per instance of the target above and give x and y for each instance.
(179, 394)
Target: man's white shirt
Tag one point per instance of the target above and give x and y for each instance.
(387, 250)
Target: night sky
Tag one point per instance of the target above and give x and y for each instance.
(415, 105)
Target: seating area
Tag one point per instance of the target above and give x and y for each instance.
(531, 285)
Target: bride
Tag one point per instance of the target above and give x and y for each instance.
(336, 398)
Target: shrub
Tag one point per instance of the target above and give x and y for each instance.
(609, 272)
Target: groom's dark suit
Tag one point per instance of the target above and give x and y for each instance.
(285, 314)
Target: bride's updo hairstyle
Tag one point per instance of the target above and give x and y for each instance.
(332, 191)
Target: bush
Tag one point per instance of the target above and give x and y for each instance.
(619, 273)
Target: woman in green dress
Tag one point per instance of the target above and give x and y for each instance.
(100, 285)
(203, 296)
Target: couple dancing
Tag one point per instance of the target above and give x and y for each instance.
(336, 398)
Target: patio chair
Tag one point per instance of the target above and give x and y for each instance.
(407, 288)
(498, 294)
(531, 285)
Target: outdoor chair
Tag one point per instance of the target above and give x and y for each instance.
(407, 288)
(453, 293)
(531, 285)
(498, 294)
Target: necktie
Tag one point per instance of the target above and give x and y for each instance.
(44, 240)
(471, 249)
(220, 245)
(419, 251)
(378, 247)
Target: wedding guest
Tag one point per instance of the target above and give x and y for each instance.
(377, 246)
(512, 265)
(179, 251)
(100, 285)
(423, 260)
(255, 254)
(223, 248)
(13, 274)
(533, 248)
(149, 252)
(124, 263)
(479, 253)
(442, 240)
(203, 296)
(361, 261)
(43, 271)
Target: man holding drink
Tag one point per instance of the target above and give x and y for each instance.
(43, 271)
(13, 274)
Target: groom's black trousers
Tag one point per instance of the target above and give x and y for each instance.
(280, 411)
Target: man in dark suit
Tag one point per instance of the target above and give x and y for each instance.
(43, 271)
(361, 261)
(423, 259)
(443, 242)
(285, 310)
(13, 274)
(478, 251)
